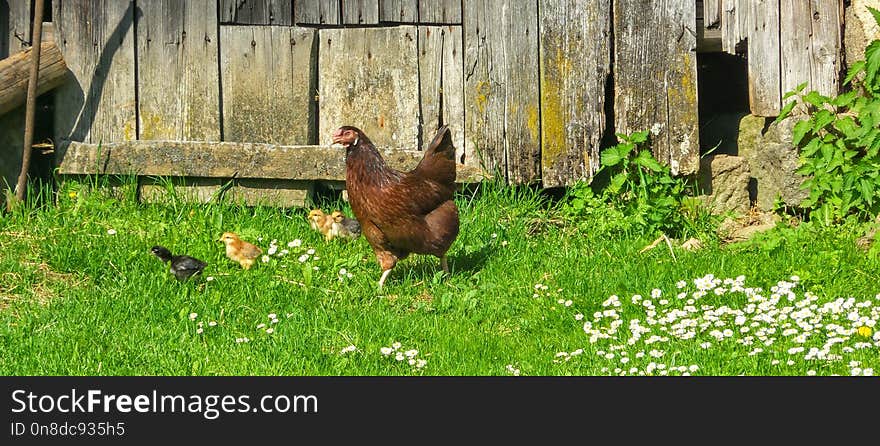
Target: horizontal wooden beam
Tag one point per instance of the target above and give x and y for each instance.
(15, 74)
(228, 160)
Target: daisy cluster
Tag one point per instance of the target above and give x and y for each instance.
(348, 349)
(294, 246)
(778, 323)
(344, 274)
(268, 327)
(542, 290)
(396, 352)
(200, 325)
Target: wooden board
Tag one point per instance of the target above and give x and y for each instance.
(253, 12)
(360, 12)
(826, 46)
(811, 49)
(251, 192)
(187, 190)
(447, 11)
(278, 193)
(795, 49)
(575, 64)
(369, 78)
(734, 25)
(729, 26)
(178, 73)
(97, 103)
(742, 18)
(17, 33)
(655, 78)
(711, 13)
(398, 11)
(441, 79)
(268, 83)
(316, 12)
(764, 58)
(230, 159)
(502, 116)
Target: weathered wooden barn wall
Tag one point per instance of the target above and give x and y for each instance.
(789, 42)
(526, 86)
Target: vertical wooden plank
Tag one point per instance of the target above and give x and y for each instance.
(826, 46)
(441, 80)
(18, 32)
(742, 18)
(449, 11)
(360, 12)
(178, 72)
(795, 22)
(764, 58)
(730, 36)
(4, 30)
(502, 117)
(655, 77)
(368, 78)
(316, 12)
(398, 11)
(575, 65)
(268, 84)
(98, 103)
(711, 13)
(737, 27)
(256, 12)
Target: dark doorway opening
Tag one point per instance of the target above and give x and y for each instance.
(723, 91)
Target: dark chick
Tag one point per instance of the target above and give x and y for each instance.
(344, 227)
(402, 212)
(183, 267)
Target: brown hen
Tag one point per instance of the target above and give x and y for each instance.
(402, 212)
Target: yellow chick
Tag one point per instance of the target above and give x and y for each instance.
(343, 226)
(239, 250)
(322, 223)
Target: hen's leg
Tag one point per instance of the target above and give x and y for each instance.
(387, 261)
(444, 264)
(384, 276)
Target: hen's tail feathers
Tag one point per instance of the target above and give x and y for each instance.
(438, 163)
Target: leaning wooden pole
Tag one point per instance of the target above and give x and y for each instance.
(30, 104)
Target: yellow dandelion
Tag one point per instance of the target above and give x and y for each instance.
(865, 331)
(71, 194)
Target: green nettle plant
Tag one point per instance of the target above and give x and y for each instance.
(839, 141)
(640, 194)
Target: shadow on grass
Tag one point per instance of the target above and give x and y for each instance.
(473, 261)
(426, 269)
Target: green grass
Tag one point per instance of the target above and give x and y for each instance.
(75, 300)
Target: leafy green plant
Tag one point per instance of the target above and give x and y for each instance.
(640, 194)
(839, 141)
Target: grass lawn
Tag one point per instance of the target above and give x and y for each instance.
(529, 294)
